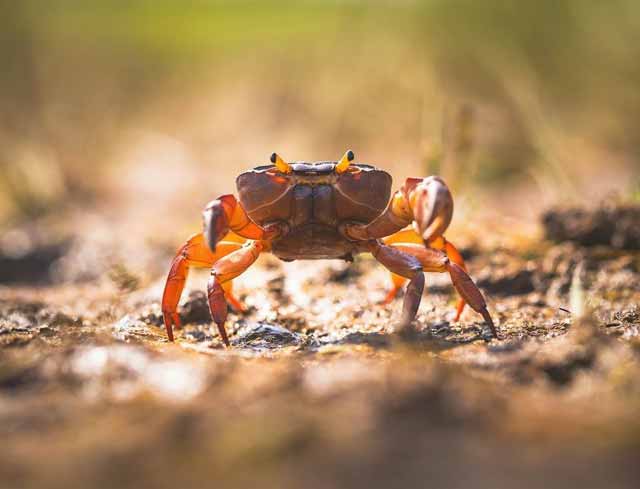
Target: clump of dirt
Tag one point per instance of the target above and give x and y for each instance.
(196, 309)
(266, 336)
(507, 274)
(24, 321)
(617, 226)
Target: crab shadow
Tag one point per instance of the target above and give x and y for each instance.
(272, 336)
(433, 338)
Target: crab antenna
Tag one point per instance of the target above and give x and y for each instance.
(345, 161)
(281, 165)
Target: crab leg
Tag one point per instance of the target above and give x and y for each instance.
(433, 260)
(404, 265)
(440, 243)
(193, 254)
(408, 235)
(224, 270)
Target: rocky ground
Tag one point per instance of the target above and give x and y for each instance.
(317, 390)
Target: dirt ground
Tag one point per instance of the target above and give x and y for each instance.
(317, 390)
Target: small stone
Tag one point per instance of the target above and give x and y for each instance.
(266, 335)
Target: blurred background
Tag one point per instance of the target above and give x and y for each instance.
(156, 105)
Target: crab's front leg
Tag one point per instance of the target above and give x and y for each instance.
(428, 204)
(409, 235)
(220, 216)
(404, 265)
(433, 260)
(224, 218)
(224, 271)
(193, 254)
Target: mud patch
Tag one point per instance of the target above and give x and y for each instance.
(611, 225)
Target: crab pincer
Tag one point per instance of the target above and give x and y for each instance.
(430, 204)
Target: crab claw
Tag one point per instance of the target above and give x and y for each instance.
(431, 204)
(215, 219)
(226, 214)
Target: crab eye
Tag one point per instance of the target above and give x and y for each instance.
(345, 161)
(281, 165)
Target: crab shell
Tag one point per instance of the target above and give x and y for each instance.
(314, 200)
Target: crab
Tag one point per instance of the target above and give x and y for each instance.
(324, 210)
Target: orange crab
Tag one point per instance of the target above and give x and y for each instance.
(328, 209)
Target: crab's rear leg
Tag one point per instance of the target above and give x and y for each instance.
(433, 260)
(193, 254)
(440, 243)
(223, 271)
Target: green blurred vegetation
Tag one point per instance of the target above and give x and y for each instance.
(483, 92)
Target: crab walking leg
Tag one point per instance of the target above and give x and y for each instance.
(193, 254)
(441, 243)
(408, 235)
(433, 260)
(438, 243)
(222, 272)
(405, 265)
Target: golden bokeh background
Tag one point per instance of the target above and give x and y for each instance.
(160, 103)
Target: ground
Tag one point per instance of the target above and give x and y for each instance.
(317, 389)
